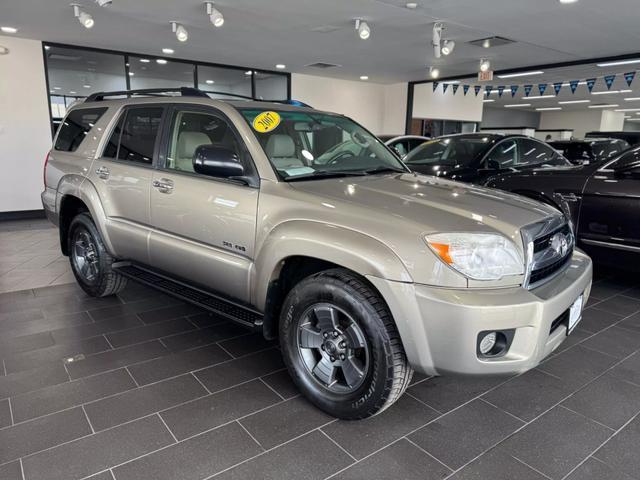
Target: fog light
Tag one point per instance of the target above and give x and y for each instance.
(487, 343)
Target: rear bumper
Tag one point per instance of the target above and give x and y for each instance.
(48, 197)
(439, 327)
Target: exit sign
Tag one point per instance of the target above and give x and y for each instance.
(485, 76)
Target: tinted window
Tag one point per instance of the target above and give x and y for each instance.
(111, 149)
(453, 151)
(76, 126)
(139, 134)
(532, 152)
(608, 149)
(401, 147)
(192, 129)
(630, 159)
(504, 155)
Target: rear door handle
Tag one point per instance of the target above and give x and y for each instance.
(103, 172)
(164, 185)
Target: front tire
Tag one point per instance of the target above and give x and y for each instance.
(341, 346)
(90, 262)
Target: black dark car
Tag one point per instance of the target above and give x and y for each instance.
(590, 150)
(602, 199)
(476, 157)
(632, 138)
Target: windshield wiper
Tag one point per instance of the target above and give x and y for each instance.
(325, 174)
(383, 169)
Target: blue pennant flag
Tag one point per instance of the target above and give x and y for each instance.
(527, 90)
(488, 89)
(465, 89)
(541, 88)
(477, 88)
(609, 80)
(591, 83)
(557, 87)
(435, 85)
(500, 90)
(629, 76)
(454, 88)
(444, 87)
(574, 85)
(514, 89)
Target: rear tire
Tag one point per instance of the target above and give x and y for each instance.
(90, 262)
(341, 345)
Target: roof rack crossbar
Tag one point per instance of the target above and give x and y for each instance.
(183, 91)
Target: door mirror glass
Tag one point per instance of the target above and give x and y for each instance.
(217, 161)
(493, 164)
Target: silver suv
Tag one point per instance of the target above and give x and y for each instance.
(303, 224)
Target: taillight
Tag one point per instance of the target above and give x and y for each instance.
(44, 170)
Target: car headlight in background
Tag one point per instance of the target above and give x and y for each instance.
(479, 256)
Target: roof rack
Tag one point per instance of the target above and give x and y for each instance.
(183, 91)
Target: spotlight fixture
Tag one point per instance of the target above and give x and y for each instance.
(486, 43)
(485, 65)
(437, 38)
(104, 3)
(447, 47)
(168, 51)
(181, 33)
(434, 72)
(144, 60)
(363, 29)
(214, 14)
(83, 17)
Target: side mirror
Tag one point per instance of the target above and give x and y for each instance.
(217, 162)
(493, 165)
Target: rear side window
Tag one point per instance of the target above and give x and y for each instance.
(75, 127)
(137, 136)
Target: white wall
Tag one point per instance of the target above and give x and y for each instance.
(447, 106)
(380, 108)
(612, 121)
(25, 134)
(582, 121)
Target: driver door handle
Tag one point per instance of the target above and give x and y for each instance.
(103, 172)
(164, 185)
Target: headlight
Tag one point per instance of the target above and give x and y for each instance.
(479, 256)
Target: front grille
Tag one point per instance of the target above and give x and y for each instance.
(542, 243)
(540, 274)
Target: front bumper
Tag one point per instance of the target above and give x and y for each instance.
(439, 327)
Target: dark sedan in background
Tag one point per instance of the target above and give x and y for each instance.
(602, 199)
(589, 150)
(476, 157)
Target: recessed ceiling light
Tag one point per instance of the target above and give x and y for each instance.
(488, 100)
(632, 99)
(364, 77)
(209, 82)
(57, 88)
(569, 102)
(618, 62)
(87, 86)
(548, 109)
(518, 105)
(521, 74)
(434, 72)
(538, 97)
(486, 43)
(568, 1)
(606, 92)
(131, 74)
(9, 29)
(612, 105)
(72, 92)
(161, 61)
(412, 5)
(168, 51)
(627, 109)
(281, 66)
(144, 60)
(248, 72)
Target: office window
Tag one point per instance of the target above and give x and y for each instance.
(159, 73)
(226, 80)
(271, 86)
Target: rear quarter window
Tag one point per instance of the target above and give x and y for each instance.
(75, 127)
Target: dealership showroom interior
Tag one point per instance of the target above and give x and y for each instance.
(320, 239)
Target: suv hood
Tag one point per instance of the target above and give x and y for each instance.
(434, 204)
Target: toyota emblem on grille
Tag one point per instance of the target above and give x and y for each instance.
(559, 244)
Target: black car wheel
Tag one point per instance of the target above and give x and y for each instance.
(341, 345)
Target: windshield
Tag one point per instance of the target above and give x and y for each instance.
(307, 145)
(450, 151)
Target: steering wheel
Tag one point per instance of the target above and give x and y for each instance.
(340, 156)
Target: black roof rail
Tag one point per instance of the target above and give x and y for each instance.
(183, 91)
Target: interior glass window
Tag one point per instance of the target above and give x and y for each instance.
(139, 134)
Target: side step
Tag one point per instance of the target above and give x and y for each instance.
(206, 300)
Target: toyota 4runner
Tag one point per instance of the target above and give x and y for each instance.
(303, 224)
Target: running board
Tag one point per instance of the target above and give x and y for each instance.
(205, 300)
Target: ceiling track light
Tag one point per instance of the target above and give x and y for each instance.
(83, 17)
(447, 47)
(434, 72)
(485, 65)
(437, 39)
(216, 17)
(363, 29)
(181, 33)
(104, 3)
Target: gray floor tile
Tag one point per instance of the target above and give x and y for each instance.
(497, 465)
(168, 313)
(450, 391)
(55, 290)
(118, 358)
(104, 312)
(106, 475)
(621, 451)
(18, 328)
(607, 400)
(578, 365)
(240, 370)
(5, 413)
(400, 460)
(30, 380)
(80, 305)
(465, 433)
(11, 471)
(143, 401)
(222, 407)
(177, 364)
(44, 432)
(284, 421)
(11, 346)
(78, 332)
(628, 369)
(594, 469)
(247, 344)
(205, 336)
(69, 394)
(149, 332)
(604, 289)
(312, 457)
(208, 319)
(595, 320)
(631, 323)
(617, 342)
(620, 304)
(366, 436)
(45, 356)
(194, 459)
(577, 336)
(557, 442)
(281, 382)
(529, 394)
(98, 452)
(136, 291)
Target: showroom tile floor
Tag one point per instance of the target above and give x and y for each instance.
(141, 386)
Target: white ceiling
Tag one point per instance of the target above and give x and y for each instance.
(262, 33)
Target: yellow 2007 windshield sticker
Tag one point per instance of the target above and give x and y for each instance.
(266, 121)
